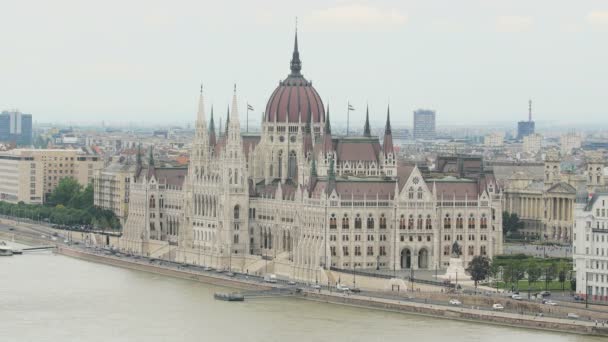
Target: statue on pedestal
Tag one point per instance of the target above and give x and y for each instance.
(456, 250)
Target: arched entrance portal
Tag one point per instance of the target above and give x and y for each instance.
(423, 258)
(406, 258)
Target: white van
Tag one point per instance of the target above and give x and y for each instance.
(270, 278)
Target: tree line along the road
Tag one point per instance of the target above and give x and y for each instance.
(70, 204)
(523, 272)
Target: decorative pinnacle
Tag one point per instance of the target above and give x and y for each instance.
(296, 64)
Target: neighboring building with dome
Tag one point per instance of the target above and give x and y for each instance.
(296, 200)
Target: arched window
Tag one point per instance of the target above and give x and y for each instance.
(402, 222)
(429, 222)
(370, 222)
(345, 222)
(471, 250)
(447, 221)
(358, 223)
(419, 222)
(410, 222)
(382, 221)
(332, 222)
(420, 193)
(152, 202)
(292, 167)
(459, 221)
(410, 194)
(237, 212)
(471, 222)
(483, 222)
(280, 166)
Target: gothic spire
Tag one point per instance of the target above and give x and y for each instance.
(366, 130)
(212, 130)
(327, 123)
(387, 129)
(138, 158)
(296, 64)
(227, 119)
(151, 156)
(200, 117)
(387, 143)
(211, 122)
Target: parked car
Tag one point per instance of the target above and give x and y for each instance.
(549, 302)
(270, 278)
(355, 290)
(498, 307)
(316, 286)
(573, 315)
(342, 288)
(455, 302)
(516, 297)
(291, 282)
(545, 293)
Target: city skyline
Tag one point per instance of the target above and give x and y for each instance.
(148, 64)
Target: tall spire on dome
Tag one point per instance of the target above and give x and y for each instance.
(296, 64)
(367, 130)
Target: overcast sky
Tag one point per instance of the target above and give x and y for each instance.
(473, 61)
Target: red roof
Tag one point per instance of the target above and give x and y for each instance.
(292, 100)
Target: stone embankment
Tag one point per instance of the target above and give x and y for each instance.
(463, 314)
(159, 269)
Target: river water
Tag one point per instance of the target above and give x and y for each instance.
(48, 297)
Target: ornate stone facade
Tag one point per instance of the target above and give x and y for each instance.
(296, 199)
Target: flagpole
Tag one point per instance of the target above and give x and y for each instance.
(347, 116)
(247, 118)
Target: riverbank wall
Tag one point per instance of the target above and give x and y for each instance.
(462, 314)
(158, 269)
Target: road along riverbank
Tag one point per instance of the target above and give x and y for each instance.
(370, 302)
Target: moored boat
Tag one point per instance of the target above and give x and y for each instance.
(229, 297)
(4, 251)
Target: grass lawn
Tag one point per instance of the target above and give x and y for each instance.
(538, 286)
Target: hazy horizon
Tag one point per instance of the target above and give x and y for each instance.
(477, 61)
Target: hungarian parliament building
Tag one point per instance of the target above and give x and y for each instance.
(296, 200)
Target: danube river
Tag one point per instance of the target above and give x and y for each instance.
(48, 297)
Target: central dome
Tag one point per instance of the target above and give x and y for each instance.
(295, 98)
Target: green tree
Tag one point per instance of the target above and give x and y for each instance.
(67, 189)
(479, 268)
(511, 223)
(534, 272)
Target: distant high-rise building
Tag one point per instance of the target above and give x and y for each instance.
(424, 124)
(16, 127)
(525, 128)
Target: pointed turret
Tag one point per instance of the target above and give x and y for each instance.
(200, 116)
(366, 129)
(387, 144)
(331, 177)
(327, 123)
(212, 138)
(227, 120)
(327, 141)
(151, 156)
